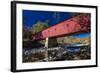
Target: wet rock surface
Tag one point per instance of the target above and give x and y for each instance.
(43, 54)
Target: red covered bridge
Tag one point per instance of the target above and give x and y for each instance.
(79, 23)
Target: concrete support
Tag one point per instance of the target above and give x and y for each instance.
(46, 46)
(46, 42)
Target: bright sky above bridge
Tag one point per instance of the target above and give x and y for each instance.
(32, 17)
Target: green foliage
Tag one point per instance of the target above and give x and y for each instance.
(26, 33)
(39, 26)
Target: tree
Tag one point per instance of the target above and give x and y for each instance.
(26, 33)
(39, 26)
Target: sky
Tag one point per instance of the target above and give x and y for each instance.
(83, 35)
(31, 17)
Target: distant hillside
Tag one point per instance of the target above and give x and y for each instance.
(73, 40)
(85, 41)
